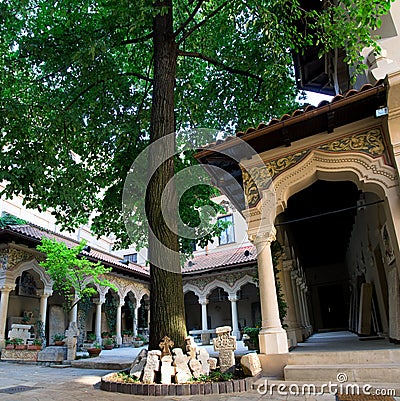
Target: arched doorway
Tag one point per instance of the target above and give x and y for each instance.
(334, 230)
(192, 311)
(219, 308)
(249, 312)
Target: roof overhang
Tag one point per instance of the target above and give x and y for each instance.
(342, 110)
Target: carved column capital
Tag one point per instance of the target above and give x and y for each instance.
(203, 301)
(287, 265)
(7, 288)
(264, 236)
(233, 297)
(294, 274)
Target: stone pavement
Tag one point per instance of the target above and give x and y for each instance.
(74, 384)
(31, 382)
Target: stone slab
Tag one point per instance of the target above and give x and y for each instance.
(53, 354)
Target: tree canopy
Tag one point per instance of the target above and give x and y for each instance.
(72, 274)
(77, 81)
(86, 85)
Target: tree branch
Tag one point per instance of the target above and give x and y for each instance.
(80, 94)
(190, 18)
(202, 22)
(137, 40)
(91, 86)
(224, 67)
(137, 75)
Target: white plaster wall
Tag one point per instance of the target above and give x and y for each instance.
(240, 230)
(47, 221)
(388, 60)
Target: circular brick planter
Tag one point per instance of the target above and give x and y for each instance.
(231, 386)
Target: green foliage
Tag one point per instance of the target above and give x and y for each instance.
(58, 337)
(76, 87)
(71, 273)
(91, 336)
(110, 309)
(252, 333)
(108, 341)
(125, 377)
(7, 219)
(96, 345)
(17, 341)
(214, 376)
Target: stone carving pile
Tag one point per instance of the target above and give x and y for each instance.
(171, 365)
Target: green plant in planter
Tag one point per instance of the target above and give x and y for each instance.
(250, 337)
(91, 337)
(96, 345)
(58, 337)
(37, 341)
(108, 343)
(17, 341)
(106, 334)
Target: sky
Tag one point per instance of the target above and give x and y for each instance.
(315, 98)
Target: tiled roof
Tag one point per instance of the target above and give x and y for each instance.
(35, 233)
(286, 118)
(221, 259)
(213, 260)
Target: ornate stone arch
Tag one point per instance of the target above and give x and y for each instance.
(142, 292)
(214, 284)
(32, 264)
(187, 287)
(243, 281)
(368, 173)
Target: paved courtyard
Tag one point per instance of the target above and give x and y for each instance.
(30, 382)
(73, 384)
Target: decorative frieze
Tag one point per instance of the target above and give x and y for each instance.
(257, 179)
(11, 257)
(230, 278)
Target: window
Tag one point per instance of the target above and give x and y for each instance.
(227, 236)
(131, 258)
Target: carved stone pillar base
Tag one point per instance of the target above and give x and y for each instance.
(273, 341)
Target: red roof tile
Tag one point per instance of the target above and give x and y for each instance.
(36, 233)
(226, 258)
(200, 263)
(299, 112)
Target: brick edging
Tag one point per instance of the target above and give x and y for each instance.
(230, 386)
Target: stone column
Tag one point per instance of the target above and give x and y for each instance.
(293, 276)
(203, 302)
(98, 303)
(43, 309)
(119, 323)
(303, 290)
(5, 295)
(299, 281)
(147, 307)
(136, 320)
(73, 316)
(235, 327)
(291, 320)
(273, 338)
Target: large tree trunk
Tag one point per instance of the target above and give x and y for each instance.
(167, 313)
